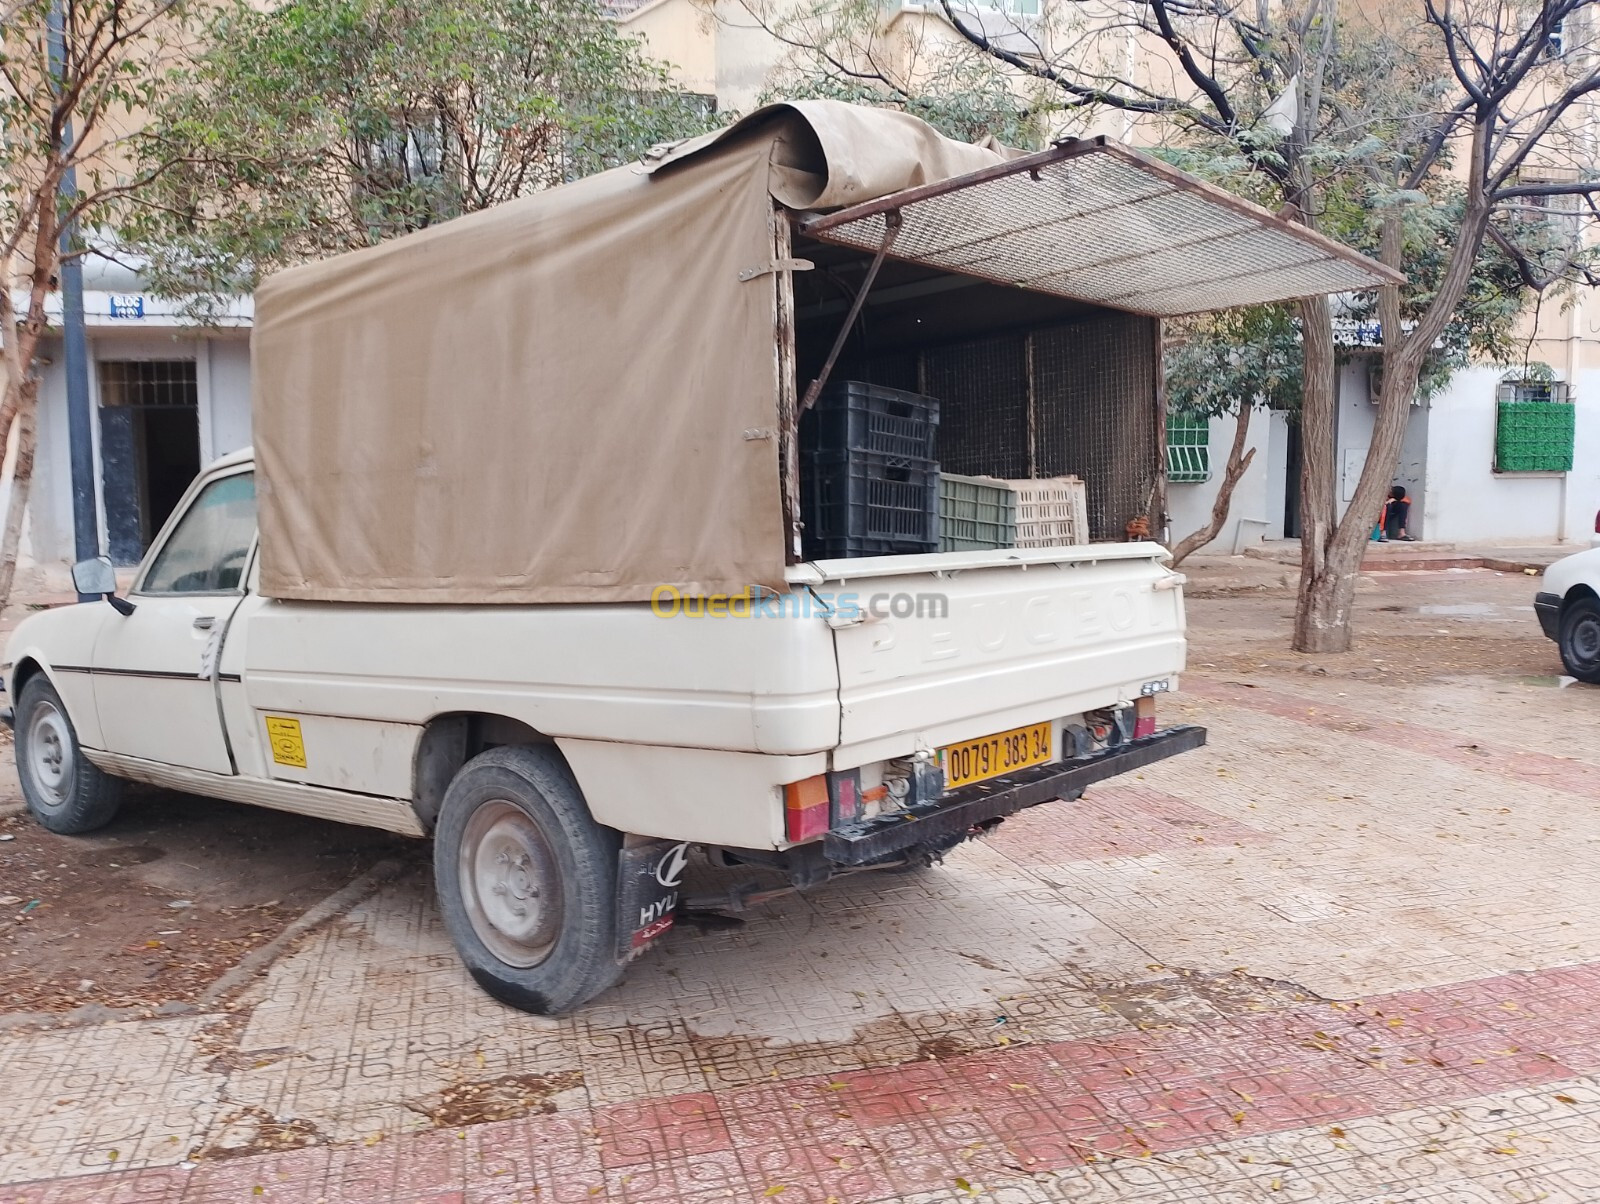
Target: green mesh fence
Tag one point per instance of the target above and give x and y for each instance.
(1534, 436)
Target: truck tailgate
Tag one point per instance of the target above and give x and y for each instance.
(955, 646)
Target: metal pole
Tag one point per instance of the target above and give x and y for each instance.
(75, 343)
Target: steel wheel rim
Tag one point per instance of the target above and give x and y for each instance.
(511, 884)
(50, 754)
(1585, 640)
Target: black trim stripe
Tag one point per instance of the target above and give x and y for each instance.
(160, 674)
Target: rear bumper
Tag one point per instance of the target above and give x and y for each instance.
(1548, 608)
(876, 838)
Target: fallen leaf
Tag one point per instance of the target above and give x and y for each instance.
(1566, 1099)
(1336, 1131)
(965, 1186)
(775, 1189)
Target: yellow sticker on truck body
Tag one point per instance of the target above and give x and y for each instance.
(288, 745)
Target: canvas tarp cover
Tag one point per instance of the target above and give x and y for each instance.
(568, 398)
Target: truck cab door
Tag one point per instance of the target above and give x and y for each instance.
(155, 672)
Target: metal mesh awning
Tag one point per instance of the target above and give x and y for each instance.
(1100, 222)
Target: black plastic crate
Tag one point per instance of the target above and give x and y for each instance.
(869, 499)
(853, 416)
(854, 549)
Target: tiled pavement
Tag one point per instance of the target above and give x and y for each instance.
(1346, 953)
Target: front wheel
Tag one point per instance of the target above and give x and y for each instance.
(1580, 639)
(527, 881)
(64, 792)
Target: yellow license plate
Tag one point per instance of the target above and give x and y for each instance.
(980, 760)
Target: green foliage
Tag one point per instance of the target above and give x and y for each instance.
(318, 126)
(110, 74)
(1244, 357)
(1483, 325)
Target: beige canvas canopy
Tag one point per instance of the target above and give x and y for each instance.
(576, 397)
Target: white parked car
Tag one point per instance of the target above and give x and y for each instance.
(1569, 611)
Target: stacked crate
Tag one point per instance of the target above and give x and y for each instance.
(976, 513)
(1051, 512)
(869, 480)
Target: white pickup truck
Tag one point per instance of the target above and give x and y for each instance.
(516, 562)
(562, 756)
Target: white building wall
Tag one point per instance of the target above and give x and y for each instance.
(1259, 495)
(230, 394)
(1469, 502)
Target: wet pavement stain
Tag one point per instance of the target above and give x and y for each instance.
(504, 1098)
(254, 1130)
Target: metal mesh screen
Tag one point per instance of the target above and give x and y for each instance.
(1102, 223)
(982, 387)
(892, 369)
(1094, 391)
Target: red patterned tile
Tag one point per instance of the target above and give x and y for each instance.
(634, 1134)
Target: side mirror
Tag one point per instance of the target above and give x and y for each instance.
(98, 576)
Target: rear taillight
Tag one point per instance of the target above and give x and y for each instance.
(1144, 717)
(805, 808)
(1597, 522)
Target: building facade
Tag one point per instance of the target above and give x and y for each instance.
(167, 396)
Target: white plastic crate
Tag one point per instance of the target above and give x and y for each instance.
(1052, 512)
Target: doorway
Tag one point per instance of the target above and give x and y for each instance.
(149, 448)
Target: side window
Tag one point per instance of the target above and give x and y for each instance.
(207, 550)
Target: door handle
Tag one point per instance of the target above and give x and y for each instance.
(204, 622)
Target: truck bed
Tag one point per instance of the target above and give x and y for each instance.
(977, 642)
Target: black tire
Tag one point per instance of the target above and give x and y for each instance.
(1580, 639)
(527, 881)
(64, 792)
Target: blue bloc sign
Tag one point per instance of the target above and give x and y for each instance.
(127, 305)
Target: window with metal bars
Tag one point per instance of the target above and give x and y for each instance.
(148, 384)
(1188, 448)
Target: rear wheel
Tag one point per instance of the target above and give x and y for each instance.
(1580, 639)
(527, 881)
(64, 792)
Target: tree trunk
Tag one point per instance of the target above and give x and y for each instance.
(21, 479)
(1238, 461)
(1322, 610)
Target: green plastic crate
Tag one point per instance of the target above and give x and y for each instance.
(1534, 436)
(975, 513)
